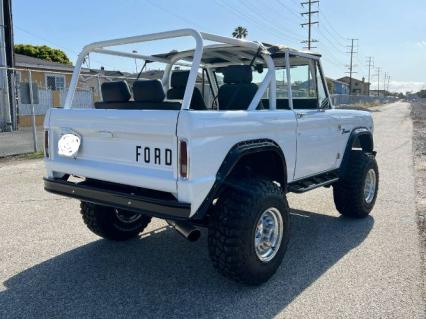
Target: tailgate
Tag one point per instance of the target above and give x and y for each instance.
(131, 147)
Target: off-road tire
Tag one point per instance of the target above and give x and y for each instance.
(103, 221)
(232, 229)
(348, 192)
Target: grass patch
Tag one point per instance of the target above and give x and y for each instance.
(35, 155)
(22, 157)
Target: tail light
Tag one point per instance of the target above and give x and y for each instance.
(46, 143)
(183, 159)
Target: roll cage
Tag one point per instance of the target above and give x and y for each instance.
(227, 51)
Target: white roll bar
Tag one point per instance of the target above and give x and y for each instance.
(99, 47)
(137, 39)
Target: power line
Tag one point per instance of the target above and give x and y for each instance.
(331, 42)
(269, 24)
(323, 27)
(57, 45)
(282, 4)
(263, 25)
(310, 23)
(327, 22)
(173, 13)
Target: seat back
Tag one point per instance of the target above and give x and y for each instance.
(115, 95)
(149, 94)
(238, 91)
(178, 82)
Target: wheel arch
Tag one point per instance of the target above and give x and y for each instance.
(251, 154)
(360, 138)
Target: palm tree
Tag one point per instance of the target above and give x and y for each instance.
(240, 32)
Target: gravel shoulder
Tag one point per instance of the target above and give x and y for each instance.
(418, 115)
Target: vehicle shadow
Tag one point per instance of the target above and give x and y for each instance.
(162, 275)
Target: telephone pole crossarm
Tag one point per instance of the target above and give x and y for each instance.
(309, 13)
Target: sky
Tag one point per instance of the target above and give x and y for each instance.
(393, 32)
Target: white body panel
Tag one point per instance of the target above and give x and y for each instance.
(317, 133)
(211, 136)
(108, 146)
(349, 120)
(322, 136)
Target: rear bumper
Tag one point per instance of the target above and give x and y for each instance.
(162, 208)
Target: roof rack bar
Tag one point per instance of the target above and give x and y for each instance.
(222, 39)
(149, 58)
(226, 57)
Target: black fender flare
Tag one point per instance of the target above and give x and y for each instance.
(235, 154)
(361, 137)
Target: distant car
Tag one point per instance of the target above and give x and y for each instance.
(164, 149)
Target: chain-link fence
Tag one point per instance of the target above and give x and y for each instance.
(21, 120)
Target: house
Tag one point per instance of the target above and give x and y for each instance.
(50, 77)
(337, 87)
(47, 74)
(52, 80)
(358, 87)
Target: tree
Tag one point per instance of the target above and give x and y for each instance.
(42, 52)
(240, 32)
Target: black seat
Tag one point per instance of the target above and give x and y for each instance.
(238, 91)
(178, 83)
(115, 95)
(149, 94)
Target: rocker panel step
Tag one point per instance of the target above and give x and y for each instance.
(307, 184)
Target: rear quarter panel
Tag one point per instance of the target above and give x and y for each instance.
(211, 136)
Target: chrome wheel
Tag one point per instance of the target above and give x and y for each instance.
(127, 217)
(268, 234)
(370, 186)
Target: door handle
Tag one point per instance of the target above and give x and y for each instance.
(105, 133)
(299, 115)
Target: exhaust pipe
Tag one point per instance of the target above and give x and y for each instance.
(186, 229)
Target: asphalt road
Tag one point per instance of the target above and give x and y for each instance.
(52, 266)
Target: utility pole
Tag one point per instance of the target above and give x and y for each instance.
(389, 77)
(351, 65)
(370, 65)
(378, 80)
(384, 83)
(310, 23)
(5, 114)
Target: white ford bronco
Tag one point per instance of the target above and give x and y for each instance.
(230, 128)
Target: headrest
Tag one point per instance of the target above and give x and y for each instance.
(148, 91)
(117, 91)
(237, 74)
(179, 79)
